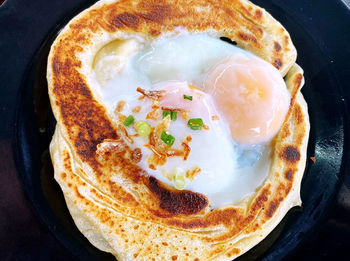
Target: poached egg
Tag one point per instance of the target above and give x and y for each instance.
(241, 99)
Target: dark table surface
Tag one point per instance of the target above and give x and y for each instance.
(22, 235)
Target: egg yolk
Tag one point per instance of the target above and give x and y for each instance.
(252, 96)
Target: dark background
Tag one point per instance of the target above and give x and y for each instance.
(24, 237)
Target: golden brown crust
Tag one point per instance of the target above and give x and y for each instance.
(115, 196)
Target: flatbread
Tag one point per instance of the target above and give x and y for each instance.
(114, 203)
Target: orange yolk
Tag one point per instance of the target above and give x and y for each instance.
(251, 95)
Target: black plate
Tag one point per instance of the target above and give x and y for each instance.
(319, 30)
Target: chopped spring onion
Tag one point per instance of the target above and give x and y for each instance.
(167, 138)
(143, 129)
(195, 124)
(128, 121)
(179, 179)
(188, 97)
(166, 113)
(173, 115)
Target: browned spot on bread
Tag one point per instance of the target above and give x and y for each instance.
(174, 258)
(248, 37)
(298, 114)
(247, 11)
(285, 131)
(66, 160)
(261, 32)
(63, 175)
(83, 39)
(105, 218)
(272, 208)
(126, 19)
(121, 194)
(216, 250)
(286, 40)
(233, 252)
(258, 14)
(156, 13)
(289, 174)
(277, 47)
(278, 63)
(261, 199)
(255, 227)
(77, 193)
(298, 80)
(177, 202)
(155, 32)
(62, 67)
(290, 154)
(164, 243)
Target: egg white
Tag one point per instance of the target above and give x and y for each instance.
(229, 171)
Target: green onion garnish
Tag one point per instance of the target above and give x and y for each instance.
(195, 124)
(128, 121)
(179, 180)
(167, 138)
(143, 129)
(188, 97)
(173, 115)
(166, 113)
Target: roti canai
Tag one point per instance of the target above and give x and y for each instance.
(138, 187)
